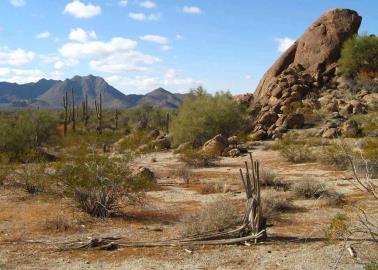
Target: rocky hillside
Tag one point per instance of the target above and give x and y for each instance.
(304, 79)
(49, 93)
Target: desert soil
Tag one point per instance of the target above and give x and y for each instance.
(296, 239)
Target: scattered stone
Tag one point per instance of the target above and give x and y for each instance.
(215, 145)
(145, 174)
(350, 129)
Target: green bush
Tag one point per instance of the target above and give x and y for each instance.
(198, 158)
(202, 116)
(295, 149)
(23, 132)
(359, 53)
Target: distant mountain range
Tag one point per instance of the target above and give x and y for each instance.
(49, 94)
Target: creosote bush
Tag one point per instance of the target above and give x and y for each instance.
(271, 180)
(202, 116)
(359, 56)
(275, 203)
(211, 188)
(308, 188)
(198, 158)
(22, 132)
(294, 149)
(216, 216)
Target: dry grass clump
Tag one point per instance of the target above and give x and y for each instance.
(216, 216)
(308, 188)
(98, 203)
(184, 173)
(294, 149)
(275, 203)
(334, 156)
(211, 188)
(60, 223)
(271, 180)
(198, 158)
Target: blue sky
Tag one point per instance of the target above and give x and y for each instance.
(138, 45)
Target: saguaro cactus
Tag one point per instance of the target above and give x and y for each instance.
(66, 114)
(98, 106)
(116, 117)
(74, 114)
(167, 123)
(85, 111)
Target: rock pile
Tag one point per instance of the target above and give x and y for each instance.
(301, 75)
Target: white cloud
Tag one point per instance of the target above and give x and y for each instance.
(124, 62)
(18, 3)
(123, 3)
(191, 10)
(148, 4)
(20, 75)
(248, 77)
(81, 10)
(15, 57)
(137, 16)
(171, 79)
(284, 43)
(155, 39)
(81, 35)
(97, 48)
(144, 17)
(165, 48)
(59, 65)
(56, 75)
(179, 37)
(43, 35)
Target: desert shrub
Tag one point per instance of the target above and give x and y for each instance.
(98, 183)
(216, 216)
(275, 203)
(60, 223)
(294, 149)
(136, 139)
(198, 158)
(338, 228)
(156, 118)
(308, 188)
(359, 54)
(371, 266)
(202, 116)
(23, 132)
(34, 178)
(211, 188)
(367, 122)
(271, 180)
(184, 173)
(333, 155)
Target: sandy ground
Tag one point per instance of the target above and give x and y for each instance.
(296, 240)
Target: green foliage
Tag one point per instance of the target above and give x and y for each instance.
(155, 117)
(338, 228)
(295, 149)
(359, 53)
(308, 188)
(367, 122)
(22, 132)
(198, 158)
(202, 116)
(136, 139)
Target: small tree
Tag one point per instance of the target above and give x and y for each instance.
(202, 116)
(359, 56)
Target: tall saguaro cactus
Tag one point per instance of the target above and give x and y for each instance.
(98, 106)
(85, 111)
(66, 114)
(116, 117)
(167, 123)
(74, 114)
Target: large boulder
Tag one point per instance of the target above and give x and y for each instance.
(295, 120)
(317, 50)
(350, 129)
(216, 145)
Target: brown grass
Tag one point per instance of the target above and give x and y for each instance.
(213, 217)
(210, 188)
